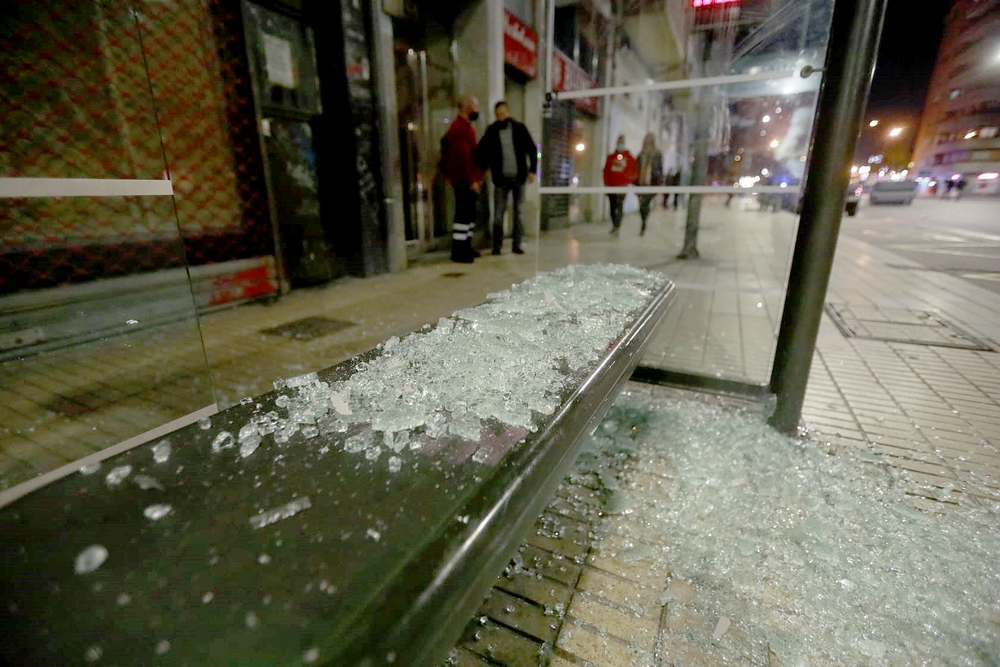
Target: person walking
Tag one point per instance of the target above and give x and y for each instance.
(460, 167)
(960, 187)
(620, 169)
(650, 173)
(509, 152)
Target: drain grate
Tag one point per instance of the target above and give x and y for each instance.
(894, 325)
(308, 328)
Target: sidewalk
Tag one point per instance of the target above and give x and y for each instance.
(929, 407)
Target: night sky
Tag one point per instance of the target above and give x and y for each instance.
(906, 57)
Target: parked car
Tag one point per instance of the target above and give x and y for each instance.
(893, 192)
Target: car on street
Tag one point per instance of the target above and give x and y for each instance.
(893, 192)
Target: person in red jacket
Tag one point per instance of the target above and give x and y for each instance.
(460, 167)
(620, 169)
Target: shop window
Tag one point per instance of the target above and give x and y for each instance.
(988, 132)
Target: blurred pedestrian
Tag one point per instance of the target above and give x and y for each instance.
(948, 187)
(960, 187)
(509, 152)
(650, 173)
(461, 168)
(620, 169)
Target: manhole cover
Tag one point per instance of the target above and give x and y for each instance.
(454, 274)
(308, 328)
(893, 325)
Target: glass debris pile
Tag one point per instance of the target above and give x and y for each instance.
(503, 361)
(807, 553)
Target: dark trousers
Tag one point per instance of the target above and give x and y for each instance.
(465, 222)
(644, 204)
(500, 193)
(617, 209)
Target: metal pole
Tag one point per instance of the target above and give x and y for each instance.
(426, 166)
(850, 64)
(550, 37)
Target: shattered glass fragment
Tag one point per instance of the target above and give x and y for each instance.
(156, 512)
(146, 482)
(249, 445)
(301, 380)
(286, 511)
(90, 559)
(223, 440)
(161, 451)
(117, 475)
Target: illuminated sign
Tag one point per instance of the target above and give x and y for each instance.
(711, 3)
(567, 75)
(520, 45)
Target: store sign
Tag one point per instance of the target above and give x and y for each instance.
(520, 45)
(567, 76)
(712, 3)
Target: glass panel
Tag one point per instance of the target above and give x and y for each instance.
(728, 250)
(76, 94)
(284, 59)
(99, 340)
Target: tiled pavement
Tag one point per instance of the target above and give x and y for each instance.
(59, 407)
(934, 411)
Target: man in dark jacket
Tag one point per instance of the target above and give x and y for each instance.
(460, 167)
(509, 152)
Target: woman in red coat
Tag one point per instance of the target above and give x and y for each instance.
(620, 169)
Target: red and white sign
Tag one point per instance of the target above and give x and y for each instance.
(711, 3)
(520, 45)
(567, 76)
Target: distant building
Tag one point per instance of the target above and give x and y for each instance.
(958, 135)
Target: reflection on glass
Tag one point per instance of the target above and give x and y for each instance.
(98, 336)
(728, 250)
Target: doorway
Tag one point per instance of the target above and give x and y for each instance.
(286, 84)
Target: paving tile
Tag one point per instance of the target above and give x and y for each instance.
(519, 614)
(499, 644)
(637, 597)
(545, 592)
(585, 645)
(636, 630)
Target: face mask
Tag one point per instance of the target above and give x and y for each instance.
(473, 116)
(620, 148)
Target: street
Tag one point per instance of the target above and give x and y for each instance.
(961, 238)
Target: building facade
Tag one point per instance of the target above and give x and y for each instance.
(959, 135)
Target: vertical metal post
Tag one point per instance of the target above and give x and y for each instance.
(850, 64)
(550, 38)
(426, 164)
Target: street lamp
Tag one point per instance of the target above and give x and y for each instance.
(874, 123)
(580, 147)
(895, 132)
(775, 143)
